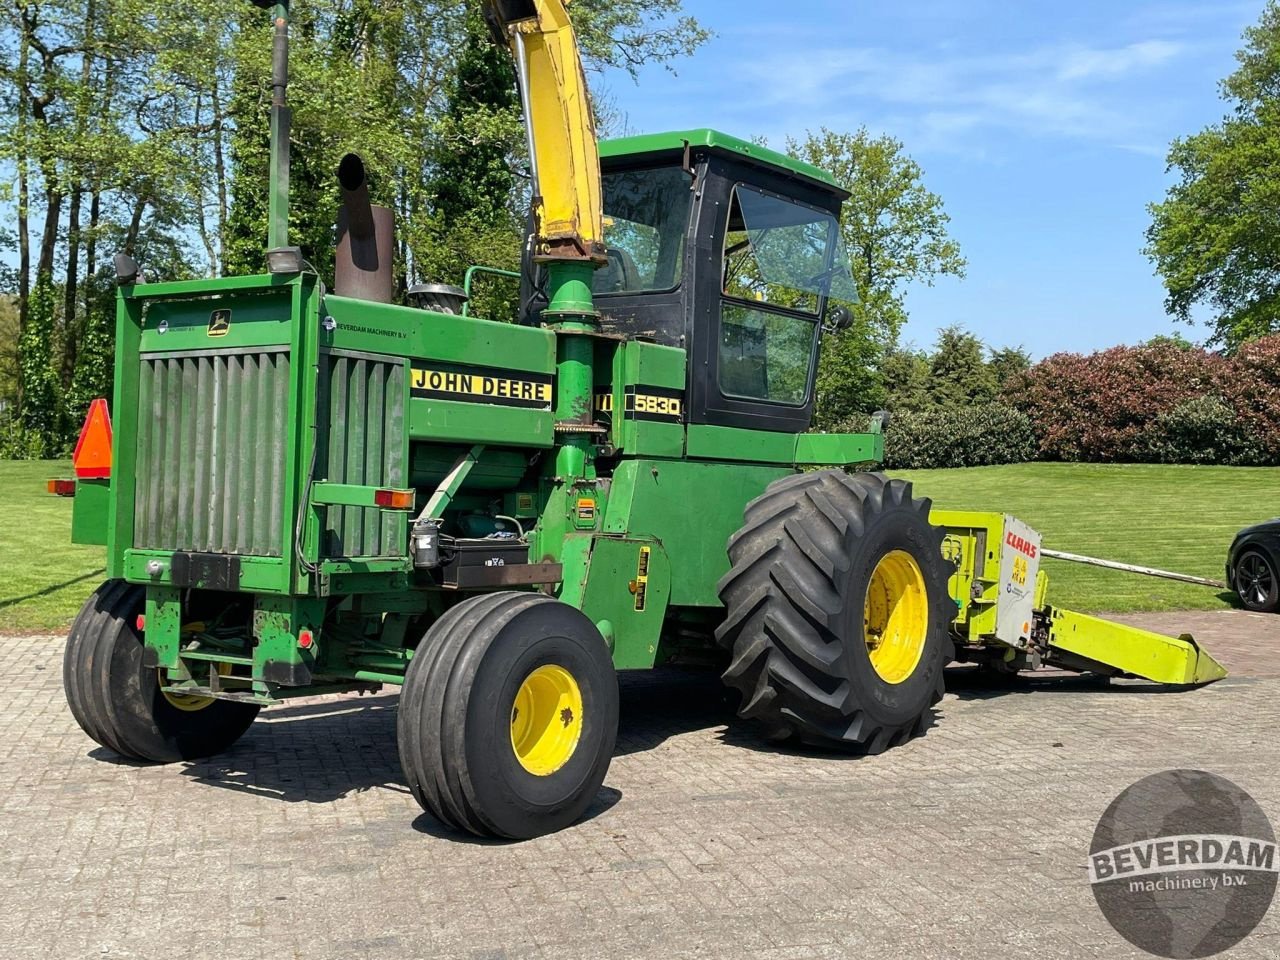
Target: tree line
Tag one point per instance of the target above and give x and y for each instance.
(128, 127)
(1163, 401)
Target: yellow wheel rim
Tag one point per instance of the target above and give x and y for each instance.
(546, 720)
(896, 616)
(191, 702)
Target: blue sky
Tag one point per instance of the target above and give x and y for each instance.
(1043, 126)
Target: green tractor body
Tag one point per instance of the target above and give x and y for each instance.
(277, 441)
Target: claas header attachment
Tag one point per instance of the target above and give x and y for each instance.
(314, 490)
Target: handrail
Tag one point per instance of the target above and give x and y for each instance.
(471, 272)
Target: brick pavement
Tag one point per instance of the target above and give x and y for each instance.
(304, 843)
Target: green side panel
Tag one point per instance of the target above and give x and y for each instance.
(364, 441)
(460, 422)
(646, 439)
(627, 591)
(1172, 660)
(406, 332)
(239, 322)
(731, 443)
(692, 509)
(654, 365)
(673, 143)
(124, 419)
(89, 512)
(496, 469)
(838, 449)
(211, 451)
(651, 370)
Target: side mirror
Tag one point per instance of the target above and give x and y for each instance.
(838, 318)
(880, 421)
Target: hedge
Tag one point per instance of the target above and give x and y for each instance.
(1158, 403)
(977, 436)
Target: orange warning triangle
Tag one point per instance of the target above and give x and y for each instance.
(92, 458)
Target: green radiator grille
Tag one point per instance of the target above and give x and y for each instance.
(363, 442)
(212, 432)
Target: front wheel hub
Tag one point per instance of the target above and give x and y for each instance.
(546, 720)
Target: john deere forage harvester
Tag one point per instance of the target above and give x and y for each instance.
(316, 490)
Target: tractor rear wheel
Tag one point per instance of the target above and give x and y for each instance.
(508, 716)
(837, 611)
(118, 702)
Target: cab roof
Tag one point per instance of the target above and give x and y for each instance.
(657, 144)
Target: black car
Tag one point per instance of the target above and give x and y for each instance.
(1252, 565)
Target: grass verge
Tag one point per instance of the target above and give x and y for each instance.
(1178, 518)
(45, 576)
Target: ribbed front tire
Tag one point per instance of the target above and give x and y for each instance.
(837, 612)
(508, 716)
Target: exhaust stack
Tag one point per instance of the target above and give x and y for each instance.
(366, 239)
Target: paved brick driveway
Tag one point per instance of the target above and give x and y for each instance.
(303, 842)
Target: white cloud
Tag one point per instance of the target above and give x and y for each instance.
(950, 98)
(1085, 64)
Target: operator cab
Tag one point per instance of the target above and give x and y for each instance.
(732, 252)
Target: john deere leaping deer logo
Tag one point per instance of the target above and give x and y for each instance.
(219, 323)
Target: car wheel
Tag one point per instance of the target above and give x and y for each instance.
(1257, 584)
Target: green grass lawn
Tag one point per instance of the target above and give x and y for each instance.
(1174, 518)
(44, 577)
(1177, 518)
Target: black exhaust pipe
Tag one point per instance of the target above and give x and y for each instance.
(366, 239)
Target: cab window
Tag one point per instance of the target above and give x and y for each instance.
(784, 253)
(777, 271)
(765, 355)
(646, 215)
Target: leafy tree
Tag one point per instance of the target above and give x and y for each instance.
(958, 372)
(8, 350)
(473, 189)
(848, 380)
(894, 227)
(1215, 239)
(905, 375)
(1006, 363)
(1174, 339)
(125, 128)
(895, 230)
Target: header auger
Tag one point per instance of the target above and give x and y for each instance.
(313, 492)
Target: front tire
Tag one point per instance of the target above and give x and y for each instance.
(837, 614)
(508, 716)
(118, 702)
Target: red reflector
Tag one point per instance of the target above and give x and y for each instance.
(63, 488)
(92, 459)
(394, 499)
(305, 640)
(141, 623)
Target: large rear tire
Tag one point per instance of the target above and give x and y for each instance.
(837, 611)
(508, 716)
(118, 702)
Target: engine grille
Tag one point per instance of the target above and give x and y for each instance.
(363, 399)
(212, 432)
